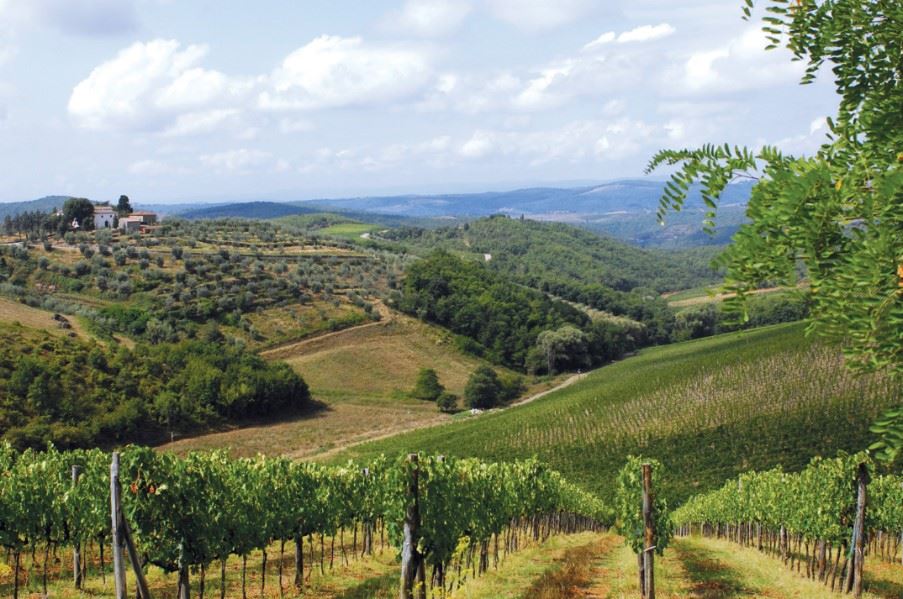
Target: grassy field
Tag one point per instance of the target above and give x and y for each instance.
(580, 566)
(359, 378)
(707, 409)
(283, 324)
(708, 295)
(349, 230)
(12, 312)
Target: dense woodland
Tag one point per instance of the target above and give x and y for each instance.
(76, 394)
(508, 323)
(523, 328)
(545, 254)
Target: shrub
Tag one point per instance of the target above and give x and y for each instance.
(483, 388)
(427, 387)
(447, 402)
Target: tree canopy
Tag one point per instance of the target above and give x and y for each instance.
(839, 212)
(483, 388)
(124, 206)
(427, 387)
(77, 209)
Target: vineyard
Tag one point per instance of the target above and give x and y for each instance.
(708, 409)
(446, 516)
(824, 520)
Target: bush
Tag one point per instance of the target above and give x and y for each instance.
(427, 387)
(483, 389)
(447, 402)
(131, 395)
(511, 387)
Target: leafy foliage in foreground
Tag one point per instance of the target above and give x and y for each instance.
(629, 502)
(839, 212)
(205, 507)
(79, 394)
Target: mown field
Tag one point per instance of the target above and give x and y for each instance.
(707, 409)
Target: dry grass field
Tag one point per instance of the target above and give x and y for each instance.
(12, 312)
(359, 378)
(358, 381)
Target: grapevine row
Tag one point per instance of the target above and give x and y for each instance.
(825, 519)
(187, 513)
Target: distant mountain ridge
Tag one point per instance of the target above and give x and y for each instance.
(254, 210)
(623, 209)
(45, 204)
(631, 196)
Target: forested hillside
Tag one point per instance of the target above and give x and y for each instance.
(77, 394)
(554, 256)
(511, 324)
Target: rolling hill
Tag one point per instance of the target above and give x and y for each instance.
(707, 409)
(628, 196)
(45, 204)
(385, 358)
(251, 210)
(543, 254)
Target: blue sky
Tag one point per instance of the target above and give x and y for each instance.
(182, 100)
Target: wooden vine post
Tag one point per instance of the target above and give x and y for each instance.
(76, 552)
(648, 587)
(862, 480)
(118, 543)
(367, 541)
(410, 557)
(122, 539)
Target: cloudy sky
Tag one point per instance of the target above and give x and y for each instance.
(181, 100)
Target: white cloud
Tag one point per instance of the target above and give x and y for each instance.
(595, 75)
(739, 65)
(646, 33)
(478, 146)
(429, 18)
(805, 143)
(539, 14)
(200, 122)
(236, 160)
(334, 71)
(154, 168)
(157, 85)
(577, 141)
(606, 38)
(818, 124)
(296, 126)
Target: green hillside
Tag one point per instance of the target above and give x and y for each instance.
(707, 409)
(547, 255)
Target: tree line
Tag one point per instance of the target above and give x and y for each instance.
(75, 394)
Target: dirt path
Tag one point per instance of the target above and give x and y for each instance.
(575, 574)
(565, 383)
(290, 348)
(438, 421)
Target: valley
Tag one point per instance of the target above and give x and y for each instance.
(451, 300)
(611, 350)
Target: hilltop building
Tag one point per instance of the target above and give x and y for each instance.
(147, 218)
(104, 217)
(137, 221)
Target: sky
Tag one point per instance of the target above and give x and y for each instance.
(212, 100)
